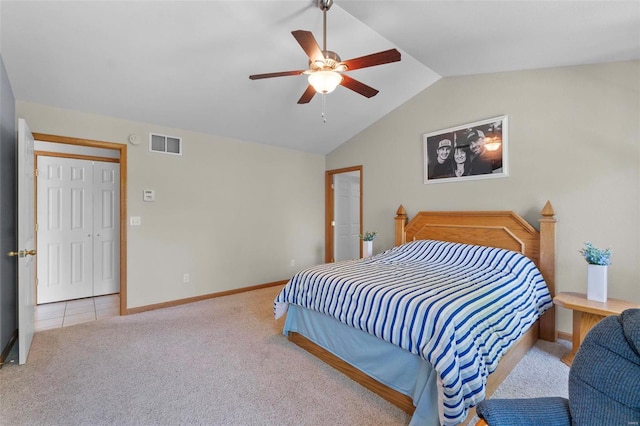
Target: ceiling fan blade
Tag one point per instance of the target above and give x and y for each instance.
(384, 57)
(276, 74)
(307, 95)
(358, 87)
(309, 44)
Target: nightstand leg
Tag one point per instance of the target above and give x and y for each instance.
(582, 323)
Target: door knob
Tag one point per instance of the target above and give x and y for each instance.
(22, 253)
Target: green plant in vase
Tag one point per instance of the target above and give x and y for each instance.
(596, 256)
(368, 236)
(598, 264)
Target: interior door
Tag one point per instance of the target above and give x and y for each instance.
(78, 228)
(106, 228)
(330, 236)
(346, 188)
(65, 230)
(26, 241)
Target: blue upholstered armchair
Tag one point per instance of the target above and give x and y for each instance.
(604, 383)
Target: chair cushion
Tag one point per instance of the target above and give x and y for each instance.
(551, 411)
(604, 380)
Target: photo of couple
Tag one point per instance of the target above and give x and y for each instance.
(472, 151)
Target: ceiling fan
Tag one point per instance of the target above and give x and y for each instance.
(326, 69)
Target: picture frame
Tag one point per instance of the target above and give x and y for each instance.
(471, 151)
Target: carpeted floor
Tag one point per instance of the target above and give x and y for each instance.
(221, 361)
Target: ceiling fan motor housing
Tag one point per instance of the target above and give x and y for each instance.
(331, 62)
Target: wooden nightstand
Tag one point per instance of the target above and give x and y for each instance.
(586, 314)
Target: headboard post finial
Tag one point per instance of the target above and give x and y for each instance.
(547, 211)
(401, 221)
(548, 268)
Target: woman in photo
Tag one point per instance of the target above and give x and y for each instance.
(461, 161)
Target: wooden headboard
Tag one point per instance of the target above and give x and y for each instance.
(502, 229)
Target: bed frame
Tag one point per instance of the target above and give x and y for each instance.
(502, 229)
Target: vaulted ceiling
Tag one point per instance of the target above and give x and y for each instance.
(185, 64)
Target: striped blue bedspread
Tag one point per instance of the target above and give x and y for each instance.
(458, 306)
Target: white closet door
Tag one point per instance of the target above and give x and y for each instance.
(106, 226)
(65, 229)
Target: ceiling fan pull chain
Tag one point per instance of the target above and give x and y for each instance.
(324, 117)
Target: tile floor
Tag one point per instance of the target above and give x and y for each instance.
(64, 314)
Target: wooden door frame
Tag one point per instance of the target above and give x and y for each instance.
(329, 206)
(122, 149)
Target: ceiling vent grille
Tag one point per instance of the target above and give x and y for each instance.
(165, 144)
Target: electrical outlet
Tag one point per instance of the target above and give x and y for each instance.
(185, 278)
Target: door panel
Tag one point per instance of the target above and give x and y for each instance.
(346, 216)
(106, 223)
(330, 211)
(26, 241)
(354, 219)
(65, 234)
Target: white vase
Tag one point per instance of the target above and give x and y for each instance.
(597, 283)
(367, 248)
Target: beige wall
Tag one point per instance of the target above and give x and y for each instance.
(229, 213)
(574, 139)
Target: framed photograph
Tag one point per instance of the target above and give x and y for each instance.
(471, 151)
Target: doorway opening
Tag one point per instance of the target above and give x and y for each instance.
(80, 149)
(343, 213)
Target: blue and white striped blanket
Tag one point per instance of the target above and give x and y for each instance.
(460, 307)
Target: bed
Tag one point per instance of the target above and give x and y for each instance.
(471, 294)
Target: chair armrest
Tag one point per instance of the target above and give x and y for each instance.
(550, 411)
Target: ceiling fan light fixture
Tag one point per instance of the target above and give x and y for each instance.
(325, 81)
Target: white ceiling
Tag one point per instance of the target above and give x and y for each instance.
(185, 64)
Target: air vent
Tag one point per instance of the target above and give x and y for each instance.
(165, 144)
